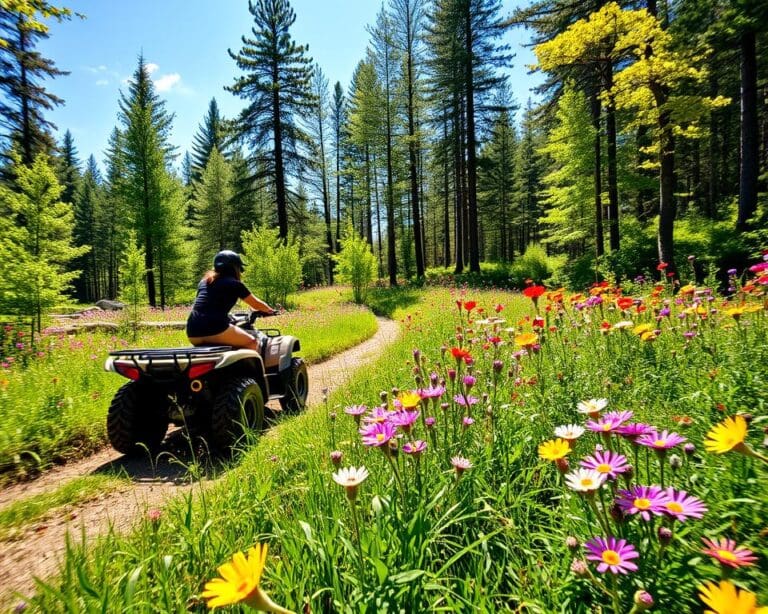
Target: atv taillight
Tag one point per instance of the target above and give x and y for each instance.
(200, 369)
(127, 369)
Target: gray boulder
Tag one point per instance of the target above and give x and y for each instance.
(108, 305)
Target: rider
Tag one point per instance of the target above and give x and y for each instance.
(217, 293)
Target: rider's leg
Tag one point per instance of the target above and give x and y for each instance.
(234, 336)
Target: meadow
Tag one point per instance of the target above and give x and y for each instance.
(544, 452)
(54, 394)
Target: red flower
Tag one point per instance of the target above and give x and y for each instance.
(538, 322)
(460, 353)
(534, 292)
(470, 305)
(661, 266)
(499, 307)
(624, 302)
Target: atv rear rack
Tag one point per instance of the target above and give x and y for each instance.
(180, 358)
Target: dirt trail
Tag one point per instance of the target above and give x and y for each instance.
(37, 551)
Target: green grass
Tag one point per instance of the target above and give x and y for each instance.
(38, 507)
(493, 540)
(54, 397)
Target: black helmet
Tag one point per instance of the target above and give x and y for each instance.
(227, 261)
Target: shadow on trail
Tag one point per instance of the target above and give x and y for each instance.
(384, 301)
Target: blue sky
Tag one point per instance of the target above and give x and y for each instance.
(186, 42)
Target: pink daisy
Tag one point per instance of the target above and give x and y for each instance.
(611, 554)
(606, 462)
(728, 553)
(642, 500)
(377, 434)
(681, 505)
(660, 441)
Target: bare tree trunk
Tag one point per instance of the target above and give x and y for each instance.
(748, 164)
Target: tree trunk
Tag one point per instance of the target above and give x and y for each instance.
(446, 197)
(474, 248)
(667, 207)
(749, 159)
(599, 240)
(277, 127)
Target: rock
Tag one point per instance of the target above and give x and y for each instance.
(108, 305)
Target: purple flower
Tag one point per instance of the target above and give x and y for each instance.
(378, 414)
(467, 422)
(681, 505)
(429, 422)
(377, 434)
(643, 500)
(461, 464)
(606, 424)
(607, 463)
(660, 441)
(404, 419)
(633, 430)
(611, 554)
(415, 448)
(469, 381)
(468, 400)
(621, 416)
(433, 392)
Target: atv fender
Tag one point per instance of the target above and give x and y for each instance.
(278, 352)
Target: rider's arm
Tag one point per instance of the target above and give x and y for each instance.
(258, 304)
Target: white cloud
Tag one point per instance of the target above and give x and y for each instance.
(102, 82)
(151, 67)
(168, 82)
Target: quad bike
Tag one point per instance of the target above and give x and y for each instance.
(219, 391)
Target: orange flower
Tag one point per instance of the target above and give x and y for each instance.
(625, 302)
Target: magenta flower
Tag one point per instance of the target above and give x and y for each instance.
(468, 400)
(681, 505)
(378, 415)
(606, 424)
(611, 554)
(377, 434)
(621, 416)
(466, 422)
(433, 392)
(429, 422)
(415, 448)
(633, 430)
(355, 410)
(606, 463)
(404, 419)
(469, 381)
(660, 441)
(728, 553)
(643, 500)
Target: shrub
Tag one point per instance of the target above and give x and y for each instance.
(356, 264)
(273, 266)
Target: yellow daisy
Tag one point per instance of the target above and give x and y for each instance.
(239, 583)
(554, 449)
(727, 599)
(409, 399)
(727, 435)
(526, 339)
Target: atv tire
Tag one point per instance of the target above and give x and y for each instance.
(297, 388)
(237, 409)
(137, 418)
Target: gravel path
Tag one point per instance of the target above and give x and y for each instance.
(36, 552)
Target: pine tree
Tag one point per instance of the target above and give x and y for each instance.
(88, 230)
(212, 220)
(211, 134)
(35, 256)
(116, 218)
(339, 118)
(23, 98)
(68, 168)
(146, 153)
(276, 86)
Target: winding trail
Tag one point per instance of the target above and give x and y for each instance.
(37, 550)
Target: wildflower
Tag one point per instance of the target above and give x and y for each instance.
(470, 305)
(460, 464)
(607, 463)
(409, 399)
(429, 422)
(585, 480)
(592, 407)
(664, 535)
(336, 457)
(466, 422)
(660, 441)
(526, 339)
(633, 430)
(554, 449)
(459, 354)
(433, 392)
(534, 292)
(154, 515)
(727, 435)
(377, 434)
(350, 478)
(642, 500)
(608, 423)
(466, 401)
(681, 505)
(239, 583)
(415, 448)
(469, 381)
(355, 411)
(579, 568)
(569, 432)
(725, 598)
(404, 419)
(728, 553)
(572, 543)
(643, 600)
(612, 554)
